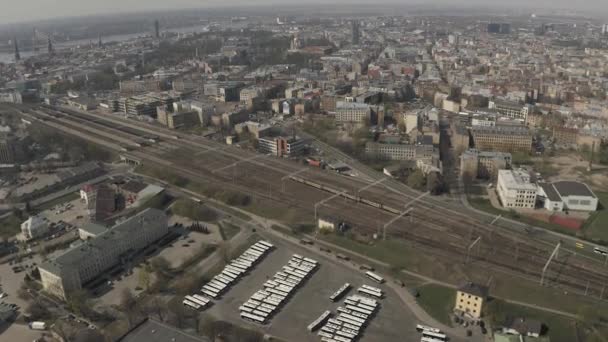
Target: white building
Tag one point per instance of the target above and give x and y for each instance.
(34, 227)
(567, 195)
(515, 189)
(352, 112)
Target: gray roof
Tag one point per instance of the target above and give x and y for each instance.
(524, 326)
(571, 188)
(550, 192)
(474, 289)
(151, 330)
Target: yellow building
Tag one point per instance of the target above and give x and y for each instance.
(470, 299)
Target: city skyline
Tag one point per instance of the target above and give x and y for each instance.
(44, 10)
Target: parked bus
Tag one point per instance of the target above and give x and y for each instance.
(370, 293)
(340, 292)
(252, 318)
(191, 305)
(373, 276)
(601, 250)
(436, 335)
(209, 293)
(422, 328)
(320, 320)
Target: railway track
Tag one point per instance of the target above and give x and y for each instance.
(530, 258)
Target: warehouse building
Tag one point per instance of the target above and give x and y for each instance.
(81, 264)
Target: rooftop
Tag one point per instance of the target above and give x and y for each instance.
(502, 129)
(474, 289)
(516, 179)
(550, 191)
(571, 188)
(151, 330)
(351, 105)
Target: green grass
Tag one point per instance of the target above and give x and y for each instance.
(596, 227)
(228, 230)
(59, 200)
(560, 329)
(437, 301)
(10, 226)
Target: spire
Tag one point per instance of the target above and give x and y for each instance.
(17, 54)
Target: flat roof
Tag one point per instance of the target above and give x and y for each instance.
(151, 330)
(550, 191)
(572, 188)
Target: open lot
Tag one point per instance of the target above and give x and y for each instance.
(392, 322)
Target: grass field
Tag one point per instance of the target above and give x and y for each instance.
(559, 328)
(437, 301)
(10, 226)
(228, 230)
(596, 227)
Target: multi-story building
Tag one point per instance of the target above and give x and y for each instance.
(483, 164)
(35, 227)
(510, 109)
(353, 112)
(69, 271)
(504, 138)
(281, 146)
(392, 148)
(565, 136)
(515, 189)
(7, 149)
(470, 299)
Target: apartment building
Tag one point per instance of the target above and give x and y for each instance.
(515, 189)
(503, 138)
(510, 109)
(352, 112)
(81, 264)
(470, 298)
(565, 136)
(483, 164)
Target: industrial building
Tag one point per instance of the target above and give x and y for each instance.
(515, 190)
(503, 138)
(81, 264)
(34, 227)
(393, 148)
(567, 195)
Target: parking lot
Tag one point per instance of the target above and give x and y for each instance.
(393, 322)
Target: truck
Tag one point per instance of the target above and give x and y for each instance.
(37, 325)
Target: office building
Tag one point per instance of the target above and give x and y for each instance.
(499, 28)
(353, 112)
(83, 263)
(34, 227)
(515, 190)
(356, 32)
(503, 138)
(567, 195)
(281, 146)
(470, 299)
(476, 164)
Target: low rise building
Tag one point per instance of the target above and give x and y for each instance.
(393, 148)
(515, 189)
(522, 327)
(565, 136)
(83, 263)
(567, 195)
(34, 227)
(470, 299)
(281, 146)
(510, 109)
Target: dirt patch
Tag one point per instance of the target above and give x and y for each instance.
(574, 167)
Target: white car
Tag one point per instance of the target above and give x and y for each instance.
(2, 295)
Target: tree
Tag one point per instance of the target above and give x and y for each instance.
(144, 277)
(434, 183)
(127, 300)
(37, 311)
(416, 180)
(161, 265)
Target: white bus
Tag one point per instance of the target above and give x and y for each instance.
(341, 339)
(245, 309)
(601, 250)
(233, 269)
(351, 323)
(297, 257)
(422, 328)
(260, 313)
(341, 291)
(191, 304)
(370, 293)
(209, 293)
(353, 318)
(324, 334)
(199, 297)
(265, 243)
(371, 288)
(327, 329)
(196, 300)
(309, 260)
(373, 276)
(252, 318)
(231, 274)
(436, 335)
(259, 248)
(346, 334)
(359, 309)
(317, 322)
(430, 339)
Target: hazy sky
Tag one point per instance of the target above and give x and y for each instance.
(24, 10)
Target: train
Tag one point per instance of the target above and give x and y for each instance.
(346, 195)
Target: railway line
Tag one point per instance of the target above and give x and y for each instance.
(262, 174)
